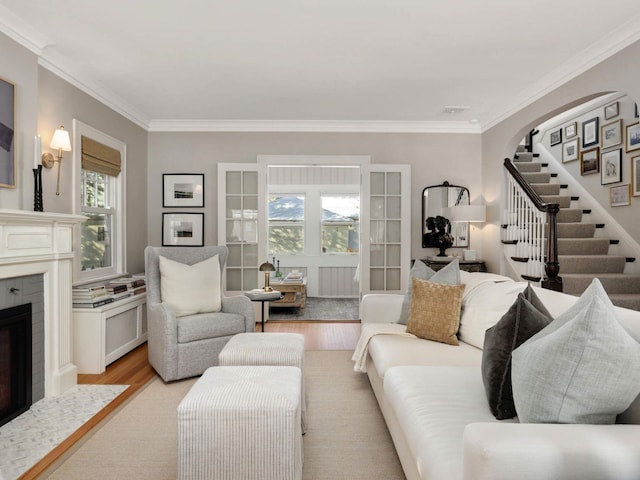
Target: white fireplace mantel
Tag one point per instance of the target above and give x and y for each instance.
(33, 243)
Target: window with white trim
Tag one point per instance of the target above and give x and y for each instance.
(286, 224)
(99, 166)
(340, 223)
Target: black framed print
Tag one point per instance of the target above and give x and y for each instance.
(182, 229)
(611, 166)
(555, 138)
(7, 125)
(590, 132)
(183, 190)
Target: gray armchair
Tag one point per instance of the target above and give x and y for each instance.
(186, 346)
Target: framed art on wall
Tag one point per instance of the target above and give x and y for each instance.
(611, 134)
(635, 176)
(633, 136)
(590, 132)
(182, 229)
(183, 190)
(611, 163)
(620, 195)
(590, 161)
(611, 111)
(571, 130)
(555, 138)
(7, 125)
(570, 150)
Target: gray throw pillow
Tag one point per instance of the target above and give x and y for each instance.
(526, 317)
(449, 275)
(582, 368)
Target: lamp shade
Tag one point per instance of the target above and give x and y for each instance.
(267, 267)
(466, 213)
(61, 140)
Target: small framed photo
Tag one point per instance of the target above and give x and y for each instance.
(633, 137)
(590, 132)
(635, 110)
(571, 130)
(611, 110)
(611, 134)
(8, 165)
(590, 161)
(611, 167)
(635, 176)
(555, 137)
(620, 195)
(183, 190)
(570, 150)
(182, 229)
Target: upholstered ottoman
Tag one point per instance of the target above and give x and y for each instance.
(282, 349)
(241, 423)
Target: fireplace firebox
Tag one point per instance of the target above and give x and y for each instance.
(15, 362)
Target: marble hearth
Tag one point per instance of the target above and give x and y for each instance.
(42, 243)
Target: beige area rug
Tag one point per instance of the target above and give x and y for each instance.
(346, 435)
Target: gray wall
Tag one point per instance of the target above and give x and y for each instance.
(59, 103)
(619, 73)
(433, 159)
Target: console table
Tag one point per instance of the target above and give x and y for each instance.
(466, 265)
(295, 294)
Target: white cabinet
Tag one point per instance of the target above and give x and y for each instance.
(102, 335)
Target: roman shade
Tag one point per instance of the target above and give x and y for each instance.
(100, 158)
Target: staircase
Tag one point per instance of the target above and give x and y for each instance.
(583, 254)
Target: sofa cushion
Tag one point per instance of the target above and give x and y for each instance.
(582, 368)
(209, 325)
(526, 317)
(190, 289)
(435, 311)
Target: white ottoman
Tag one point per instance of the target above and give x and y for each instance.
(272, 348)
(241, 423)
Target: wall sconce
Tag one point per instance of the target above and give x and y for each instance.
(267, 268)
(62, 143)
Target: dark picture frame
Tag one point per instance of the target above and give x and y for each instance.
(611, 134)
(590, 132)
(633, 137)
(590, 161)
(571, 130)
(571, 150)
(611, 166)
(183, 190)
(7, 130)
(611, 111)
(620, 195)
(555, 138)
(182, 229)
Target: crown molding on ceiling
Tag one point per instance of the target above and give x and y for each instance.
(19, 31)
(588, 58)
(315, 126)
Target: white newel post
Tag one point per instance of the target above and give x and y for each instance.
(33, 243)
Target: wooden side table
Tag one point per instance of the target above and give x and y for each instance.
(466, 265)
(295, 294)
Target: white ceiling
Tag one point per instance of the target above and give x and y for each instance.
(351, 65)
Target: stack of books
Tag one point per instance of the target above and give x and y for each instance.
(293, 277)
(134, 284)
(117, 291)
(90, 296)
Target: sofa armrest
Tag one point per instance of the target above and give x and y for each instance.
(241, 305)
(551, 451)
(381, 307)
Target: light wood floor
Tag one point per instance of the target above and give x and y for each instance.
(133, 369)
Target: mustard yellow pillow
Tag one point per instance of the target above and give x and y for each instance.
(435, 311)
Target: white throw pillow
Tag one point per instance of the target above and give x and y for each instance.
(582, 368)
(191, 289)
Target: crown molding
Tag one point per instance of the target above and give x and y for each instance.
(315, 126)
(19, 31)
(589, 57)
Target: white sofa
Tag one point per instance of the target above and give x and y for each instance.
(433, 401)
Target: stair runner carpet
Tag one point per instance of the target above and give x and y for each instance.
(581, 254)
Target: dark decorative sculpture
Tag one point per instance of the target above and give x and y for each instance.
(441, 237)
